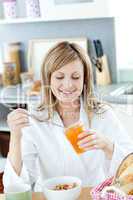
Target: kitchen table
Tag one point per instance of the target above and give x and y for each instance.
(85, 195)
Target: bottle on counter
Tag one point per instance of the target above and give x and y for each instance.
(12, 67)
(32, 8)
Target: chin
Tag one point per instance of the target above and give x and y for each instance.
(68, 99)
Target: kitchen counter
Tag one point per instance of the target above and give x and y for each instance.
(113, 93)
(16, 94)
(85, 195)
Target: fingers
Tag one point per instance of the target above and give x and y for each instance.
(19, 110)
(16, 114)
(93, 141)
(88, 138)
(91, 148)
(17, 120)
(88, 144)
(22, 125)
(82, 135)
(21, 120)
(86, 133)
(19, 126)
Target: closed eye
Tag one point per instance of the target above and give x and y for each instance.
(76, 77)
(59, 77)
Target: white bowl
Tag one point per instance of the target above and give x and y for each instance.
(70, 194)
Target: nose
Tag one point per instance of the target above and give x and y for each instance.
(67, 83)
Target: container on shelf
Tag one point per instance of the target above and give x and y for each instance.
(11, 61)
(32, 8)
(9, 74)
(27, 79)
(10, 9)
(45, 7)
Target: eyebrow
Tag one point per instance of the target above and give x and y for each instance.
(76, 72)
(61, 73)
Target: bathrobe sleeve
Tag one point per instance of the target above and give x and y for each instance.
(29, 171)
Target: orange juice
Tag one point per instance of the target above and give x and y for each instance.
(72, 133)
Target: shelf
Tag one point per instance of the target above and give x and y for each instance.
(21, 20)
(50, 19)
(34, 20)
(51, 12)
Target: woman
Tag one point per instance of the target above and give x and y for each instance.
(68, 98)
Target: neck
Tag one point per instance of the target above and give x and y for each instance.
(67, 109)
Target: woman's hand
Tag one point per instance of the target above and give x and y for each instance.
(90, 140)
(16, 120)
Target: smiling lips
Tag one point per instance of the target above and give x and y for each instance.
(67, 92)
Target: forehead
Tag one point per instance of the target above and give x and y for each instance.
(75, 66)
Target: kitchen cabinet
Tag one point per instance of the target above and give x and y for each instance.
(4, 143)
(1, 184)
(52, 11)
(2, 164)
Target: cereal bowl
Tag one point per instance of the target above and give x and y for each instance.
(62, 188)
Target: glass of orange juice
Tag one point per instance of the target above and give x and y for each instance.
(72, 133)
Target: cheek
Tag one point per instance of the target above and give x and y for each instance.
(80, 84)
(54, 85)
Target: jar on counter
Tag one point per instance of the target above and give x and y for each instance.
(9, 74)
(12, 67)
(32, 8)
(10, 8)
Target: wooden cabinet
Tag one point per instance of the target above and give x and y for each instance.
(4, 143)
(1, 184)
(4, 148)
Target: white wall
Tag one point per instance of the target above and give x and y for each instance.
(124, 33)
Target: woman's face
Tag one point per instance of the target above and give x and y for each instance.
(67, 82)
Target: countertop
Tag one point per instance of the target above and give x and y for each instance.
(85, 195)
(110, 93)
(16, 94)
(113, 93)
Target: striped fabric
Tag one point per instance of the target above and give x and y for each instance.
(97, 191)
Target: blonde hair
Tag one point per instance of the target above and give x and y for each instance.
(58, 56)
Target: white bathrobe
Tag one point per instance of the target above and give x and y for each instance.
(46, 153)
